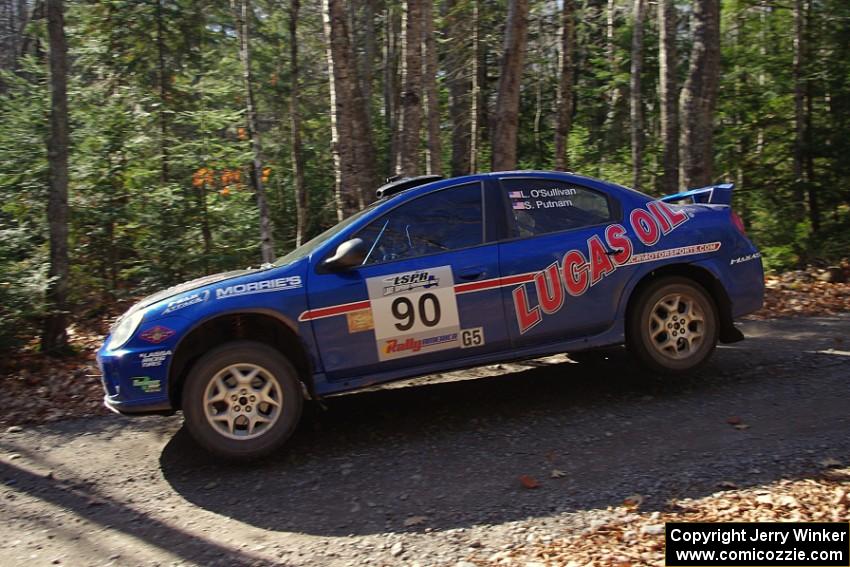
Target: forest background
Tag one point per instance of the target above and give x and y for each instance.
(146, 142)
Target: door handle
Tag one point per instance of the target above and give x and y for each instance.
(471, 275)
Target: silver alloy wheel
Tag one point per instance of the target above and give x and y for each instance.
(676, 325)
(243, 401)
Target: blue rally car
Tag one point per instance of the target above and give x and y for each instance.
(437, 274)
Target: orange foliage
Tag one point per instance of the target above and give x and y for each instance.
(230, 176)
(203, 176)
(242, 133)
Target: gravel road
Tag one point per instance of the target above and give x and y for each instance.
(430, 475)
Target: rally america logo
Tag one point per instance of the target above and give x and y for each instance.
(408, 282)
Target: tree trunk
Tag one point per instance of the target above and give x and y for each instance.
(636, 106)
(475, 91)
(799, 108)
(392, 94)
(411, 103)
(432, 101)
(162, 78)
(354, 150)
(566, 61)
(668, 93)
(242, 11)
(699, 96)
(807, 138)
(458, 63)
(367, 64)
(296, 152)
(54, 335)
(506, 122)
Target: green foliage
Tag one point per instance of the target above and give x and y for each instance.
(159, 188)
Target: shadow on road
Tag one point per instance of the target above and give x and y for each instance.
(449, 455)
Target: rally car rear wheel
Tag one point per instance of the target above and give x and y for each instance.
(242, 400)
(674, 326)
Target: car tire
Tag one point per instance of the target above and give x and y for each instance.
(673, 327)
(242, 400)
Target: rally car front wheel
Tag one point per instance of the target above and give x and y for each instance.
(673, 327)
(242, 400)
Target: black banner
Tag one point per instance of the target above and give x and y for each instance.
(762, 544)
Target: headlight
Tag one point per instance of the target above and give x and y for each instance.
(122, 333)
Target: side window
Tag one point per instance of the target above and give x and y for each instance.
(540, 206)
(448, 219)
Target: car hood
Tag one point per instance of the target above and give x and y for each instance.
(184, 287)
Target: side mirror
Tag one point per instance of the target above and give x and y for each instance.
(349, 254)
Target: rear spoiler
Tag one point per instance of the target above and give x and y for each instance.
(710, 195)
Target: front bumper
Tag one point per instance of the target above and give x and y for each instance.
(133, 389)
(124, 408)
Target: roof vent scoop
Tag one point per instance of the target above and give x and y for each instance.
(397, 184)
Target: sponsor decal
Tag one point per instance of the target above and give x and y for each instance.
(408, 282)
(153, 359)
(581, 269)
(470, 338)
(742, 259)
(674, 252)
(414, 345)
(157, 334)
(360, 321)
(147, 384)
(186, 301)
(264, 286)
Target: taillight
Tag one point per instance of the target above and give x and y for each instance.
(739, 224)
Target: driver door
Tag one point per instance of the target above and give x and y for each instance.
(424, 294)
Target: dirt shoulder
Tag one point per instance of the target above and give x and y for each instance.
(438, 474)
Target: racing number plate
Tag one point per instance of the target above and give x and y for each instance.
(414, 312)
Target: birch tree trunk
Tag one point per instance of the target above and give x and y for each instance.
(296, 151)
(411, 104)
(699, 96)
(432, 103)
(668, 93)
(565, 85)
(242, 11)
(162, 78)
(506, 120)
(54, 336)
(475, 90)
(636, 102)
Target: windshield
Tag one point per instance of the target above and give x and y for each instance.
(308, 247)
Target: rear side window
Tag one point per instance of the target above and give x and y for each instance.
(449, 219)
(539, 206)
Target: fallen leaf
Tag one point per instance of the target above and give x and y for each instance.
(727, 484)
(741, 426)
(415, 521)
(557, 473)
(734, 420)
(528, 482)
(830, 463)
(633, 501)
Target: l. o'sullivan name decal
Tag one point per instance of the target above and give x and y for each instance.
(578, 272)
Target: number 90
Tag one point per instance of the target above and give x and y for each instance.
(428, 308)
